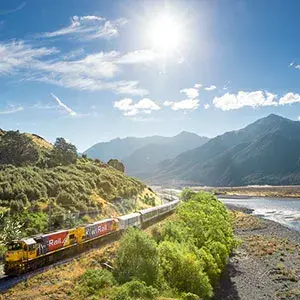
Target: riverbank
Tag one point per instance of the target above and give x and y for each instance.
(287, 191)
(266, 265)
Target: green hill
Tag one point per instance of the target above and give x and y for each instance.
(46, 187)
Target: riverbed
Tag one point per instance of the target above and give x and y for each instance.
(285, 211)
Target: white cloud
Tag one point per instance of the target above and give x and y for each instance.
(129, 108)
(206, 106)
(19, 55)
(94, 72)
(89, 27)
(191, 93)
(291, 64)
(242, 99)
(11, 110)
(64, 106)
(289, 98)
(197, 85)
(188, 104)
(210, 88)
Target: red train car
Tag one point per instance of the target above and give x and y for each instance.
(100, 228)
(52, 241)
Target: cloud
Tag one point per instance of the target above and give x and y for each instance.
(197, 85)
(94, 72)
(9, 11)
(291, 64)
(191, 93)
(289, 98)
(11, 110)
(88, 28)
(129, 108)
(242, 99)
(19, 55)
(188, 104)
(64, 106)
(206, 106)
(210, 88)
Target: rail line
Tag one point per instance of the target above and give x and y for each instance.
(7, 282)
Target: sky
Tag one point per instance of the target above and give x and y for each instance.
(91, 71)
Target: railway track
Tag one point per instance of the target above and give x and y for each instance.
(7, 282)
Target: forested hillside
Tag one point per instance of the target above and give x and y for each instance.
(265, 152)
(45, 187)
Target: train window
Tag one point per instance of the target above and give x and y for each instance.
(15, 246)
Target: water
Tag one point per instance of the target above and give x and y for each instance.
(285, 211)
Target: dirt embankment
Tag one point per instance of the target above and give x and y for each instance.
(266, 265)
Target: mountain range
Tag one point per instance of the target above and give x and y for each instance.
(141, 156)
(265, 152)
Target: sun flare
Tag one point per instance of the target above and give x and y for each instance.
(165, 34)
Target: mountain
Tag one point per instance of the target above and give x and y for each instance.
(144, 160)
(120, 148)
(265, 152)
(141, 155)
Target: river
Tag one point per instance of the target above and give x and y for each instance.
(285, 211)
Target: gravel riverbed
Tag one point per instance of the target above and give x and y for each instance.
(266, 264)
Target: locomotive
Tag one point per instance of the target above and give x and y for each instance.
(31, 253)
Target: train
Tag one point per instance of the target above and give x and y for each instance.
(31, 253)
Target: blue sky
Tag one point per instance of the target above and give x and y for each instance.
(91, 71)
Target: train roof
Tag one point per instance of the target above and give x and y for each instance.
(126, 217)
(29, 241)
(146, 210)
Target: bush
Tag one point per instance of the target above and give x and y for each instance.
(135, 290)
(189, 296)
(137, 258)
(65, 199)
(93, 280)
(183, 270)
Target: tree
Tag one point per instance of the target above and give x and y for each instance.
(137, 258)
(117, 165)
(63, 153)
(183, 270)
(187, 194)
(18, 149)
(10, 229)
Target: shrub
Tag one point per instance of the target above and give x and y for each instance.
(93, 280)
(189, 296)
(137, 258)
(183, 270)
(135, 290)
(65, 199)
(187, 194)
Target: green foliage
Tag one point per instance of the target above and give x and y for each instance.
(186, 194)
(149, 200)
(115, 163)
(10, 229)
(18, 149)
(189, 296)
(172, 231)
(135, 290)
(137, 258)
(183, 270)
(63, 153)
(93, 280)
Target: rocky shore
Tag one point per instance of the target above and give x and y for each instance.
(266, 264)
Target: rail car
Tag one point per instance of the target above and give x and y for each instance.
(31, 253)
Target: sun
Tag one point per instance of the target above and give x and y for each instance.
(165, 34)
